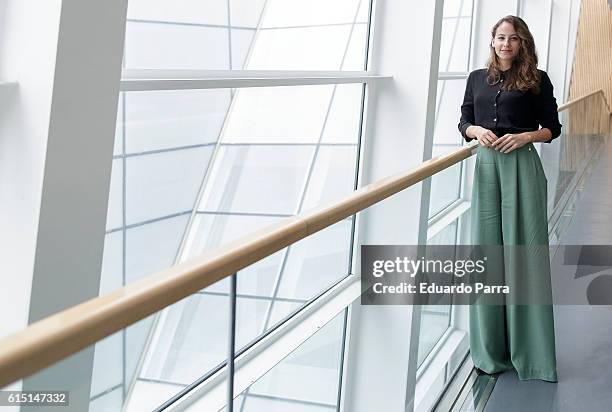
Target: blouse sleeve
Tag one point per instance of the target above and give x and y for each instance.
(467, 109)
(546, 108)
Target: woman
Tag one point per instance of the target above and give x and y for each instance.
(503, 107)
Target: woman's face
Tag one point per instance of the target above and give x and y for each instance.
(506, 43)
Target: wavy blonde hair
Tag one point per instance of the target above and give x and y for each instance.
(524, 74)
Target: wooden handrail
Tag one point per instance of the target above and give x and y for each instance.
(606, 102)
(579, 99)
(64, 333)
(60, 335)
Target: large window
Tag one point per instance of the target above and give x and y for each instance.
(454, 64)
(194, 169)
(246, 34)
(447, 205)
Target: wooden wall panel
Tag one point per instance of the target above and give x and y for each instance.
(593, 56)
(592, 68)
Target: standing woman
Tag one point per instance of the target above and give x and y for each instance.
(503, 108)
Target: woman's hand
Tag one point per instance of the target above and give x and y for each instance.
(510, 142)
(485, 136)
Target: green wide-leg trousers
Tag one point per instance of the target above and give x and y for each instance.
(509, 208)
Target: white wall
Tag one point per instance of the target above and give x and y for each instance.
(28, 57)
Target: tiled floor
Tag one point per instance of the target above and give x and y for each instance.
(583, 333)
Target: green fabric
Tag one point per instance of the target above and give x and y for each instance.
(509, 208)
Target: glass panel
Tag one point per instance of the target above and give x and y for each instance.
(241, 45)
(455, 44)
(287, 278)
(189, 344)
(435, 319)
(293, 34)
(309, 375)
(455, 41)
(108, 354)
(170, 119)
(135, 342)
(453, 8)
(467, 7)
(445, 185)
(246, 13)
(568, 159)
(192, 340)
(306, 380)
(295, 115)
(108, 365)
(307, 48)
(245, 172)
(283, 13)
(316, 262)
(279, 114)
(175, 46)
(364, 10)
(179, 356)
(253, 316)
(343, 122)
(356, 51)
(179, 11)
(153, 247)
(449, 100)
(333, 176)
(161, 184)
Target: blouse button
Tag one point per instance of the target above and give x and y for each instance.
(495, 119)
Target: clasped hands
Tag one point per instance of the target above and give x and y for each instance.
(504, 144)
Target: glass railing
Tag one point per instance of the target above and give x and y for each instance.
(568, 159)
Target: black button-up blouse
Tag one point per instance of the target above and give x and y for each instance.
(504, 111)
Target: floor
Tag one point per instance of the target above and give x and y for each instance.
(583, 332)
